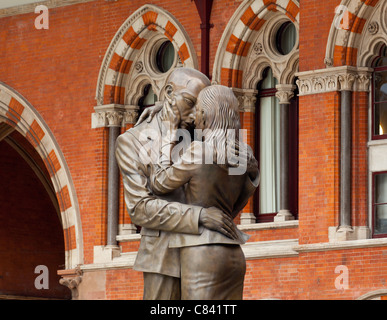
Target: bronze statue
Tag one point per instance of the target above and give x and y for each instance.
(212, 265)
(163, 217)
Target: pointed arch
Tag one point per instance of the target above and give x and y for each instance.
(236, 45)
(19, 114)
(125, 48)
(354, 23)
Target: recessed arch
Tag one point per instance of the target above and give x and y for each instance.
(240, 45)
(357, 27)
(120, 61)
(20, 115)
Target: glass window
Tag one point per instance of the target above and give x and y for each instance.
(165, 56)
(380, 205)
(380, 97)
(269, 144)
(148, 99)
(286, 38)
(268, 135)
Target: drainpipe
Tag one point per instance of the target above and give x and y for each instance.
(204, 9)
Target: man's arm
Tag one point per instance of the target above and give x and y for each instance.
(144, 208)
(148, 211)
(250, 185)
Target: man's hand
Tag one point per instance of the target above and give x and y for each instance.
(150, 113)
(215, 219)
(171, 116)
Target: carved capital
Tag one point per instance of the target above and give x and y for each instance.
(247, 99)
(114, 118)
(71, 279)
(284, 93)
(113, 115)
(346, 81)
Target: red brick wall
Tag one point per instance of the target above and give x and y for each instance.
(315, 22)
(319, 153)
(57, 70)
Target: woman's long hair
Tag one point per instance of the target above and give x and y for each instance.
(220, 110)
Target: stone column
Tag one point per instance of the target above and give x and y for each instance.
(284, 93)
(114, 117)
(346, 82)
(247, 99)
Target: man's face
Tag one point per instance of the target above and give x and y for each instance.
(185, 99)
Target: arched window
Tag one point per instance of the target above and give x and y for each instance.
(268, 143)
(379, 131)
(148, 99)
(268, 150)
(379, 96)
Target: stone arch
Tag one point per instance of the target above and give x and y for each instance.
(373, 295)
(243, 44)
(358, 25)
(122, 56)
(19, 114)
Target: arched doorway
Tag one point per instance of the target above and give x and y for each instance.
(31, 235)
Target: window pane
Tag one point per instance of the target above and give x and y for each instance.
(380, 85)
(381, 188)
(165, 56)
(269, 82)
(380, 118)
(150, 98)
(286, 38)
(380, 219)
(269, 155)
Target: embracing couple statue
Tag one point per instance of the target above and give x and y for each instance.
(186, 195)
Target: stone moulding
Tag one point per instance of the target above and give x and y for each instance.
(334, 79)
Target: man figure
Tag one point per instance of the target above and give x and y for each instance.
(160, 217)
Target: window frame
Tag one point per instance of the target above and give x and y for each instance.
(373, 124)
(381, 235)
(293, 157)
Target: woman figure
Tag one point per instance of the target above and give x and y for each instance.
(212, 265)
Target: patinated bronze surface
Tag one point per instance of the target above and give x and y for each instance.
(180, 230)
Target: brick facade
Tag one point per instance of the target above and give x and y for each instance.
(50, 84)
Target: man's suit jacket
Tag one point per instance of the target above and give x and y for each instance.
(167, 222)
(137, 151)
(207, 185)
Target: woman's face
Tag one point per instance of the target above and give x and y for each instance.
(199, 117)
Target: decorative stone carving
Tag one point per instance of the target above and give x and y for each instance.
(139, 66)
(346, 81)
(284, 93)
(257, 48)
(131, 116)
(114, 115)
(333, 79)
(71, 279)
(373, 27)
(246, 98)
(114, 118)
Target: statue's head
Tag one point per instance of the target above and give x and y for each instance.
(182, 89)
(217, 108)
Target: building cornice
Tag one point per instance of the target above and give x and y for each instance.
(28, 8)
(334, 79)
